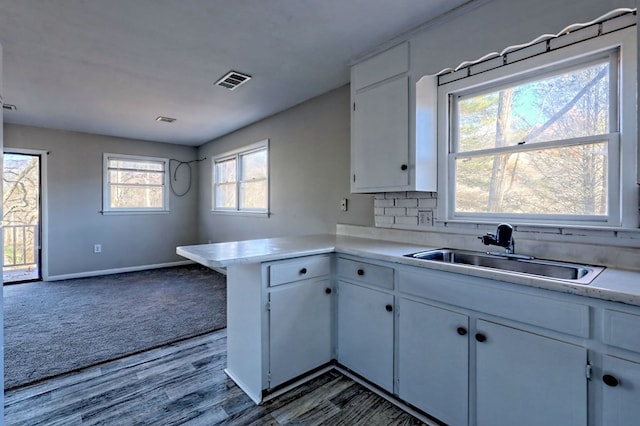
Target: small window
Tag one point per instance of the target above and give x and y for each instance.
(241, 180)
(135, 184)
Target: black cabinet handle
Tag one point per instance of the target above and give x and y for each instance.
(610, 380)
(403, 167)
(303, 271)
(461, 331)
(389, 308)
(327, 290)
(481, 337)
(361, 272)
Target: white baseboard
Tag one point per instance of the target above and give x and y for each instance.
(116, 271)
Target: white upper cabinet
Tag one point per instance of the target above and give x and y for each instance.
(380, 140)
(384, 154)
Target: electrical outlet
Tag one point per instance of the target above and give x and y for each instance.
(97, 248)
(343, 204)
(425, 218)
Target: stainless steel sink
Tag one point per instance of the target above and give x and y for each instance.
(579, 274)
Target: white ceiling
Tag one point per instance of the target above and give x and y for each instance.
(112, 66)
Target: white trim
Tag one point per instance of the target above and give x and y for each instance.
(117, 270)
(249, 213)
(106, 203)
(132, 212)
(44, 205)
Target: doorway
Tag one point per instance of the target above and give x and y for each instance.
(22, 216)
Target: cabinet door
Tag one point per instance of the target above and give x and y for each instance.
(299, 328)
(380, 138)
(528, 379)
(365, 333)
(621, 392)
(433, 361)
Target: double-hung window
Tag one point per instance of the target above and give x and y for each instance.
(135, 183)
(241, 180)
(543, 140)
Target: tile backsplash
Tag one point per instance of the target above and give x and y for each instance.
(417, 211)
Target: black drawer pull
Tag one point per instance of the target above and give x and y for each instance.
(610, 380)
(481, 337)
(303, 271)
(327, 290)
(389, 308)
(462, 331)
(361, 272)
(403, 167)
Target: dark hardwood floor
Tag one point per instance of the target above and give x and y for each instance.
(184, 384)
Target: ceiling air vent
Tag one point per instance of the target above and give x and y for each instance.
(10, 107)
(165, 119)
(232, 80)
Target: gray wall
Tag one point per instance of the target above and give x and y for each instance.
(496, 25)
(309, 174)
(74, 184)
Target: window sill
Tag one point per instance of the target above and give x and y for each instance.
(132, 212)
(241, 213)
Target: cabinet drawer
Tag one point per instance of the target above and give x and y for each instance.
(622, 330)
(299, 269)
(483, 295)
(380, 276)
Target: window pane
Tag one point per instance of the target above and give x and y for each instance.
(562, 106)
(115, 163)
(225, 196)
(254, 165)
(136, 197)
(139, 178)
(570, 180)
(253, 195)
(226, 171)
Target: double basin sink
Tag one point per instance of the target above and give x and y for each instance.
(577, 274)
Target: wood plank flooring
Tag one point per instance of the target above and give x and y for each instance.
(184, 384)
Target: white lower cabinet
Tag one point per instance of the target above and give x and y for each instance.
(621, 392)
(527, 379)
(465, 350)
(433, 360)
(365, 332)
(300, 328)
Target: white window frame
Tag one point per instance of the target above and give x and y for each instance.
(237, 155)
(106, 185)
(623, 152)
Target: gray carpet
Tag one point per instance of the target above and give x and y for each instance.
(57, 327)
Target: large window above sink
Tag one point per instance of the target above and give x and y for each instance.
(548, 139)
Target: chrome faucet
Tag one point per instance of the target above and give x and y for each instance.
(503, 238)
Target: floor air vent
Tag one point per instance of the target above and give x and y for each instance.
(232, 80)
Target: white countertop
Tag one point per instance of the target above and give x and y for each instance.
(612, 284)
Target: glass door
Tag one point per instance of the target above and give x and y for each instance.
(21, 217)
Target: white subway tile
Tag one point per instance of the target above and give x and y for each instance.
(430, 203)
(383, 203)
(390, 195)
(384, 221)
(395, 211)
(407, 220)
(407, 202)
(418, 194)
